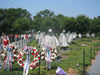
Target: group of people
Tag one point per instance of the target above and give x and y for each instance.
(5, 40)
(64, 39)
(23, 36)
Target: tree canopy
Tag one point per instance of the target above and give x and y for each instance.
(22, 19)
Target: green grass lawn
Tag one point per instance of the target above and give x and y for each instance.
(75, 56)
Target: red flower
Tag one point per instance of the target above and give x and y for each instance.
(35, 60)
(39, 58)
(2, 59)
(22, 65)
(35, 56)
(13, 56)
(34, 50)
(17, 59)
(1, 52)
(20, 55)
(16, 49)
(32, 53)
(50, 48)
(20, 61)
(14, 52)
(13, 47)
(55, 53)
(37, 52)
(42, 55)
(5, 57)
(36, 64)
(32, 61)
(33, 66)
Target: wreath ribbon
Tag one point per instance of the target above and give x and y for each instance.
(26, 67)
(9, 57)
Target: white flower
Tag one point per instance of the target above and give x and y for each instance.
(34, 51)
(55, 50)
(38, 55)
(52, 57)
(42, 53)
(4, 49)
(34, 47)
(37, 61)
(24, 62)
(20, 58)
(21, 53)
(42, 57)
(33, 63)
(3, 55)
(20, 64)
(15, 55)
(31, 68)
(34, 58)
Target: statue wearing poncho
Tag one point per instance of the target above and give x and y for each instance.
(70, 38)
(50, 39)
(41, 37)
(63, 40)
(80, 35)
(37, 36)
(8, 59)
(88, 35)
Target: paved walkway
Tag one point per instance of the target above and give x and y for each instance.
(95, 68)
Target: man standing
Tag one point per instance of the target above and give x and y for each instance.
(1, 39)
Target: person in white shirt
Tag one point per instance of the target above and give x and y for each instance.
(22, 36)
(29, 35)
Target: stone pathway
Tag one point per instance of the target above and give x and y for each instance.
(95, 68)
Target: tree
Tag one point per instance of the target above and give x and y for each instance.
(12, 15)
(95, 25)
(83, 24)
(21, 23)
(69, 24)
(45, 13)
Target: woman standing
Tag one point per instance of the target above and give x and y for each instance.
(5, 41)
